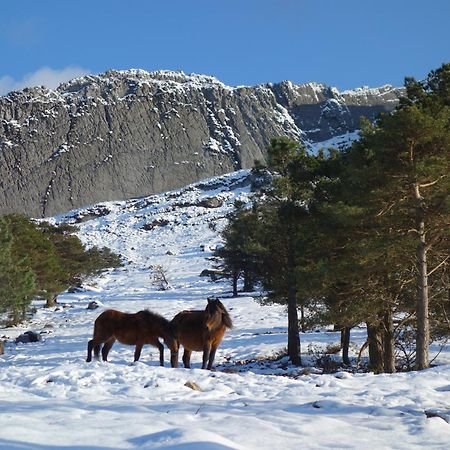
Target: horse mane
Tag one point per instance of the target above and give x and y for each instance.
(162, 321)
(226, 319)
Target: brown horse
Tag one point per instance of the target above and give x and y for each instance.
(200, 331)
(143, 327)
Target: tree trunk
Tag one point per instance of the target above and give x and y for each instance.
(235, 278)
(376, 350)
(389, 348)
(248, 281)
(50, 301)
(345, 344)
(423, 326)
(293, 332)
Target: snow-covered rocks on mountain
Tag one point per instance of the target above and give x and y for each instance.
(124, 134)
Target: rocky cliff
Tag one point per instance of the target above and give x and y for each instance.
(125, 134)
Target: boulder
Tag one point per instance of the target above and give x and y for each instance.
(193, 385)
(210, 202)
(28, 336)
(93, 305)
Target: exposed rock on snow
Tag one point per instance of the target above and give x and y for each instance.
(93, 305)
(28, 336)
(193, 385)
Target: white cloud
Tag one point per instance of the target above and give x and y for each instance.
(45, 76)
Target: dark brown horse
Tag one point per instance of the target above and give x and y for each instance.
(200, 331)
(143, 327)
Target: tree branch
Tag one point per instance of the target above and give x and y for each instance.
(385, 210)
(439, 265)
(432, 183)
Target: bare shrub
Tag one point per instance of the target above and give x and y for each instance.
(159, 276)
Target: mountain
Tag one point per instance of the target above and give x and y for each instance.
(125, 134)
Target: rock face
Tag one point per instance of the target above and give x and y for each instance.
(127, 134)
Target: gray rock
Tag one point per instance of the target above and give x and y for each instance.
(210, 202)
(93, 305)
(28, 336)
(444, 415)
(155, 223)
(213, 274)
(125, 134)
(193, 385)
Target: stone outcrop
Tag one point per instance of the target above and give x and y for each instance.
(127, 134)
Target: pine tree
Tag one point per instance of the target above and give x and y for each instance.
(411, 154)
(31, 243)
(238, 257)
(16, 278)
(282, 237)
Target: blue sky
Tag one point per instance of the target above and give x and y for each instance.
(343, 43)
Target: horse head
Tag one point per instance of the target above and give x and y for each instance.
(216, 314)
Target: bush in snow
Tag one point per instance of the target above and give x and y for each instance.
(160, 278)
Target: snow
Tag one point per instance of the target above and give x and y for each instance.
(52, 399)
(63, 148)
(337, 142)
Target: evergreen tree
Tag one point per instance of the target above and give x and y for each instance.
(52, 276)
(283, 237)
(411, 153)
(365, 234)
(16, 278)
(38, 259)
(238, 257)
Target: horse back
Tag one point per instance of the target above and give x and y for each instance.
(127, 328)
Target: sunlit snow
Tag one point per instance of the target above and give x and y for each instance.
(50, 398)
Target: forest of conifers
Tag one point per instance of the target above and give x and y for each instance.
(361, 235)
(41, 260)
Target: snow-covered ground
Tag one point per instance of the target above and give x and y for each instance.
(50, 398)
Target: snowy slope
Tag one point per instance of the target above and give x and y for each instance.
(50, 398)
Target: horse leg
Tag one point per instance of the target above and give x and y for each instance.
(137, 351)
(92, 346)
(97, 351)
(212, 355)
(174, 354)
(89, 350)
(107, 347)
(187, 358)
(206, 353)
(161, 354)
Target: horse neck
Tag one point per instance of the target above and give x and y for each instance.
(215, 321)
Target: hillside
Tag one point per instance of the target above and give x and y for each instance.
(125, 134)
(51, 398)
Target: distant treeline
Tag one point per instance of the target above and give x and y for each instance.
(38, 259)
(358, 236)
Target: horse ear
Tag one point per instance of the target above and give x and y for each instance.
(210, 300)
